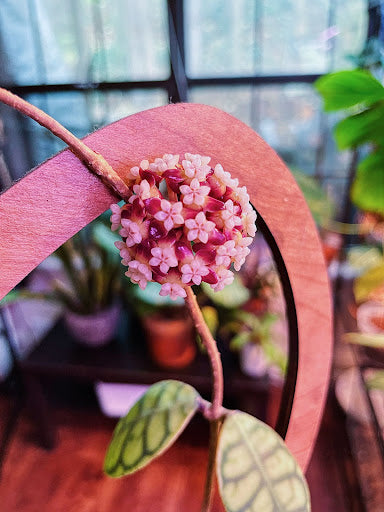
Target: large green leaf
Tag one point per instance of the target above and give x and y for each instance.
(366, 126)
(256, 472)
(367, 191)
(345, 89)
(150, 427)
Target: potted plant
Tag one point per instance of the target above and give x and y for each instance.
(248, 318)
(169, 330)
(86, 283)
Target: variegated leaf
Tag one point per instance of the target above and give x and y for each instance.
(256, 472)
(150, 427)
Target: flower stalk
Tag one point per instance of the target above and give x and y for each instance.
(215, 411)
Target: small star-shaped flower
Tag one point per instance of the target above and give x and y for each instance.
(130, 231)
(170, 214)
(194, 271)
(124, 252)
(139, 273)
(164, 258)
(174, 290)
(229, 215)
(194, 193)
(224, 278)
(199, 228)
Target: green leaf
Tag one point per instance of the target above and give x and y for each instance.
(367, 340)
(376, 380)
(150, 427)
(345, 89)
(367, 191)
(239, 340)
(232, 296)
(368, 282)
(367, 126)
(255, 469)
(211, 318)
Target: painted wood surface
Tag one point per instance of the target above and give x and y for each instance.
(58, 198)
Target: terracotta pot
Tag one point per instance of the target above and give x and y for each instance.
(171, 341)
(94, 330)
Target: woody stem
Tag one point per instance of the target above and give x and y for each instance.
(95, 162)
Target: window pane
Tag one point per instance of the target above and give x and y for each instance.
(248, 37)
(234, 100)
(102, 40)
(351, 19)
(286, 116)
(28, 144)
(220, 37)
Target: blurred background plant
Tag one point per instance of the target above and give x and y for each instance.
(249, 314)
(81, 281)
(87, 276)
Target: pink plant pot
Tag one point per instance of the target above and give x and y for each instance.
(94, 330)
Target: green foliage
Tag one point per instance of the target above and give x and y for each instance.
(367, 191)
(91, 279)
(150, 427)
(364, 124)
(232, 296)
(357, 129)
(321, 206)
(211, 318)
(345, 89)
(250, 328)
(367, 340)
(376, 380)
(92, 273)
(368, 282)
(255, 469)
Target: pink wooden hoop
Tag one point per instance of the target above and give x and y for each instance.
(58, 198)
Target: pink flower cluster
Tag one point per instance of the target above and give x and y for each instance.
(183, 224)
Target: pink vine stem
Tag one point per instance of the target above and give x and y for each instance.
(94, 161)
(215, 411)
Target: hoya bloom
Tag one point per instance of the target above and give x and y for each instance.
(164, 258)
(170, 214)
(139, 273)
(195, 193)
(183, 224)
(199, 228)
(124, 253)
(115, 217)
(194, 271)
(131, 232)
